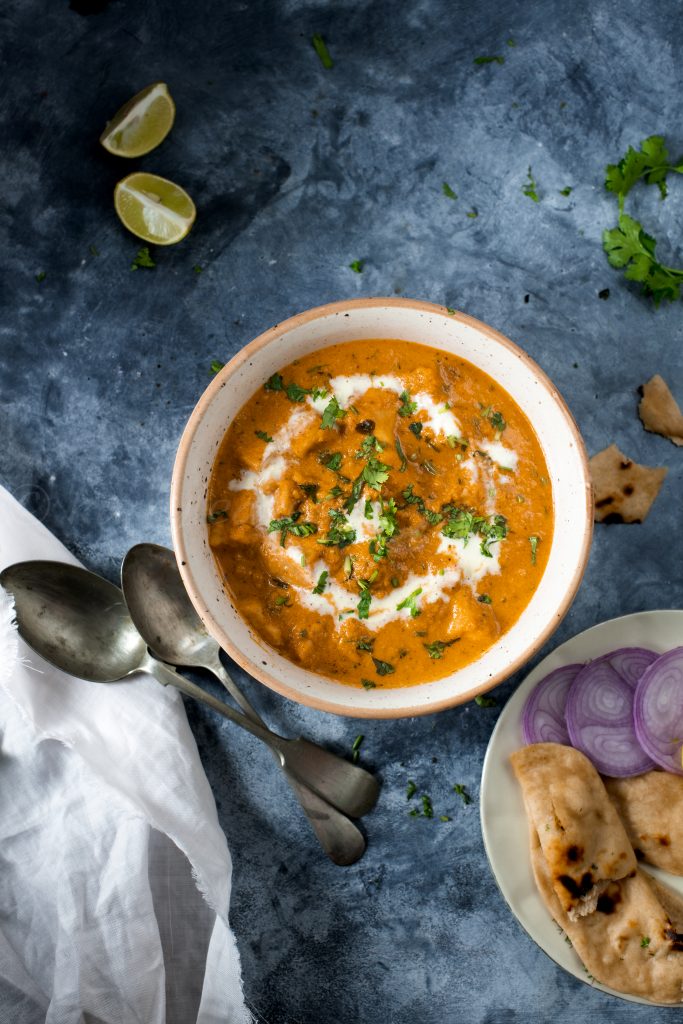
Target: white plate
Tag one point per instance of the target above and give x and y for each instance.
(503, 818)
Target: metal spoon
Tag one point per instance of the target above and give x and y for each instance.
(166, 619)
(80, 623)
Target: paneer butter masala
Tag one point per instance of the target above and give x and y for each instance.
(381, 512)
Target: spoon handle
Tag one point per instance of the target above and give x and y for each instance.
(216, 668)
(167, 676)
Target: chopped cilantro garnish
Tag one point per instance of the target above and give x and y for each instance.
(366, 643)
(369, 511)
(341, 533)
(444, 817)
(295, 393)
(143, 259)
(462, 792)
(407, 407)
(410, 602)
(263, 436)
(530, 187)
(213, 517)
(473, 213)
(485, 702)
(511, 42)
(311, 491)
(363, 609)
(274, 383)
(356, 491)
(355, 749)
(497, 421)
(451, 311)
(489, 60)
(383, 668)
(644, 942)
(375, 473)
(323, 53)
(282, 602)
(416, 428)
(290, 524)
(491, 532)
(411, 789)
(336, 492)
(484, 599)
(368, 447)
(368, 684)
(448, 191)
(401, 455)
(197, 269)
(357, 266)
(427, 809)
(436, 648)
(216, 366)
(388, 526)
(322, 580)
(330, 461)
(41, 275)
(566, 191)
(533, 541)
(331, 413)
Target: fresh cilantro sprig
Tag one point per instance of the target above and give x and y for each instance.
(331, 413)
(628, 246)
(291, 524)
(436, 648)
(410, 602)
(341, 533)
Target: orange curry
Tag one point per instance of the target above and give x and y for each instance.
(381, 512)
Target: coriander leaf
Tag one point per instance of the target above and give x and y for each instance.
(368, 684)
(411, 789)
(410, 602)
(290, 524)
(355, 749)
(274, 383)
(296, 393)
(369, 512)
(489, 60)
(629, 246)
(427, 809)
(260, 433)
(473, 213)
(651, 163)
(462, 792)
(450, 310)
(407, 407)
(533, 541)
(331, 413)
(387, 528)
(363, 609)
(491, 532)
(383, 668)
(341, 533)
(330, 460)
(375, 473)
(365, 643)
(143, 259)
(357, 266)
(356, 491)
(485, 702)
(644, 942)
(282, 602)
(416, 428)
(216, 366)
(566, 191)
(322, 580)
(368, 446)
(323, 53)
(497, 421)
(484, 599)
(448, 191)
(530, 187)
(436, 648)
(444, 817)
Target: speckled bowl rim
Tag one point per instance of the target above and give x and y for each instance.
(260, 672)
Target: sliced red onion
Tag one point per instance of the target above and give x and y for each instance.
(658, 711)
(543, 715)
(630, 662)
(599, 715)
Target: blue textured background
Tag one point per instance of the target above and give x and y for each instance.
(296, 171)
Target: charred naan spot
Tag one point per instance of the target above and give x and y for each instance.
(616, 517)
(604, 501)
(663, 840)
(675, 938)
(609, 900)
(625, 464)
(627, 490)
(575, 853)
(365, 426)
(574, 888)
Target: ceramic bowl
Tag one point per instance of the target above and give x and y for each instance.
(422, 323)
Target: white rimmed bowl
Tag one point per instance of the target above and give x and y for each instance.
(425, 324)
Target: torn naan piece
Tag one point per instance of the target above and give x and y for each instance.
(584, 844)
(624, 491)
(651, 808)
(633, 941)
(659, 412)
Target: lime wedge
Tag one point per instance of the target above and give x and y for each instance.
(141, 123)
(153, 208)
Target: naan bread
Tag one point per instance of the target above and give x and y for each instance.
(623, 490)
(633, 941)
(584, 844)
(651, 808)
(659, 411)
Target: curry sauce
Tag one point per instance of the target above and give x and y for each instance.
(381, 512)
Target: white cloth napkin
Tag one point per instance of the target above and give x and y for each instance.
(114, 872)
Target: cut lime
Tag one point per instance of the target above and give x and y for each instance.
(153, 208)
(141, 123)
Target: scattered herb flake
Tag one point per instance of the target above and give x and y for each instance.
(485, 702)
(407, 407)
(290, 524)
(566, 191)
(416, 428)
(473, 213)
(363, 609)
(213, 517)
(462, 793)
(355, 749)
(448, 191)
(41, 275)
(357, 266)
(533, 541)
(365, 643)
(94, 251)
(143, 259)
(274, 383)
(323, 53)
(410, 602)
(310, 490)
(427, 809)
(368, 684)
(436, 648)
(259, 433)
(489, 60)
(332, 412)
(411, 789)
(645, 942)
(530, 187)
(322, 580)
(451, 311)
(484, 599)
(383, 668)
